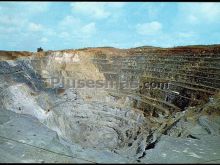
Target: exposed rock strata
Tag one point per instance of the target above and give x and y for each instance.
(123, 125)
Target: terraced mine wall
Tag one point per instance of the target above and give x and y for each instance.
(153, 92)
(172, 81)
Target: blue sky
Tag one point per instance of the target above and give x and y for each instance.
(70, 25)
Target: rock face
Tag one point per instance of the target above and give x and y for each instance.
(110, 105)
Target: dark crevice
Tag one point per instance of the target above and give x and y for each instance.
(143, 155)
(138, 150)
(148, 147)
(129, 144)
(193, 137)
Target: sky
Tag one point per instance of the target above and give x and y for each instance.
(73, 25)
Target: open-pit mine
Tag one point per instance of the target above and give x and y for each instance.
(109, 105)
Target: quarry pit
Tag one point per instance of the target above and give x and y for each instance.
(109, 105)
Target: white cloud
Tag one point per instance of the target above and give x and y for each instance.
(11, 20)
(72, 27)
(93, 9)
(209, 10)
(153, 11)
(35, 7)
(15, 17)
(200, 12)
(149, 28)
(4, 30)
(69, 22)
(35, 27)
(8, 20)
(89, 29)
(96, 10)
(15, 20)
